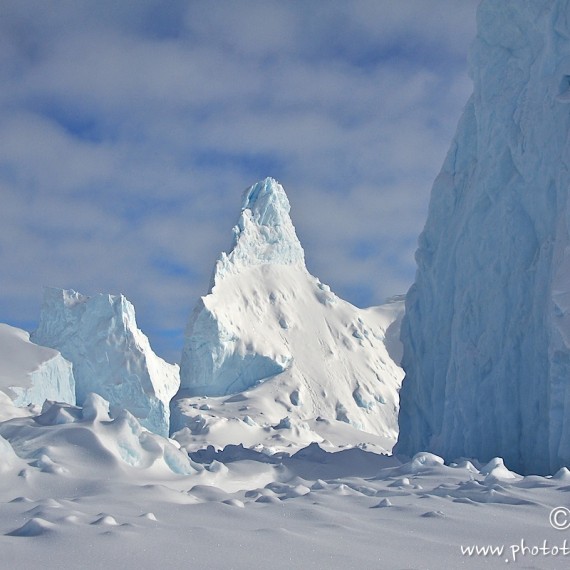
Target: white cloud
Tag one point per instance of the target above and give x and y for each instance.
(129, 130)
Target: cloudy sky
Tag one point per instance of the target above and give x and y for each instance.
(129, 130)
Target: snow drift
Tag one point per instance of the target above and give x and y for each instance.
(280, 342)
(83, 441)
(487, 328)
(31, 374)
(110, 355)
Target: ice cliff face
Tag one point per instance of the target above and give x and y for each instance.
(487, 328)
(270, 328)
(31, 374)
(110, 355)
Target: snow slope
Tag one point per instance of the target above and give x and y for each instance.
(110, 355)
(275, 351)
(487, 328)
(29, 373)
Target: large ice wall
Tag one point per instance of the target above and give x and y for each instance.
(110, 355)
(268, 326)
(487, 328)
(31, 374)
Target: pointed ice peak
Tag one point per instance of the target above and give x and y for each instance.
(264, 233)
(267, 202)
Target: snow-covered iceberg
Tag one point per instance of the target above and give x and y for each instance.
(217, 359)
(275, 334)
(487, 328)
(31, 374)
(110, 355)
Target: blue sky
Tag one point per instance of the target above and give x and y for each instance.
(129, 130)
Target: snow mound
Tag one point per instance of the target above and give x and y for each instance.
(106, 520)
(563, 474)
(9, 410)
(90, 440)
(57, 414)
(496, 469)
(34, 527)
(29, 373)
(272, 348)
(95, 408)
(424, 461)
(110, 355)
(487, 329)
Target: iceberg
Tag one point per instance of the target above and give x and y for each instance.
(110, 355)
(487, 328)
(31, 374)
(216, 361)
(272, 339)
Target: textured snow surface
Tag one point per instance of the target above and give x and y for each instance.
(29, 373)
(110, 355)
(487, 328)
(82, 441)
(83, 487)
(270, 345)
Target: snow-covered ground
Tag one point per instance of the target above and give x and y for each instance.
(81, 490)
(86, 487)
